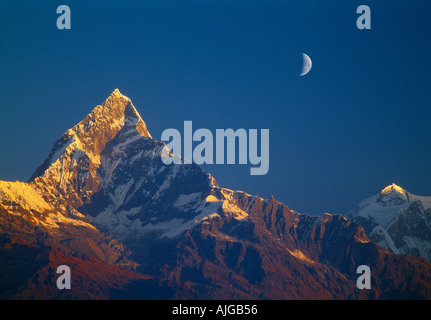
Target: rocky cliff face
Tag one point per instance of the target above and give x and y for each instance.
(104, 202)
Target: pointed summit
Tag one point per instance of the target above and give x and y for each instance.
(116, 97)
(119, 110)
(116, 92)
(99, 127)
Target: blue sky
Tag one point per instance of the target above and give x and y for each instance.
(360, 120)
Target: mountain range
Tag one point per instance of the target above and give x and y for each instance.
(130, 227)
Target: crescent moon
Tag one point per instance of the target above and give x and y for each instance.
(306, 64)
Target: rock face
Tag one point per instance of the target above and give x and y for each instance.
(397, 220)
(129, 226)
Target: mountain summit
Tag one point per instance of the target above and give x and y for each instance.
(100, 126)
(397, 220)
(393, 188)
(131, 226)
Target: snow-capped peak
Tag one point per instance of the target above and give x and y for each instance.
(100, 126)
(119, 109)
(393, 195)
(394, 191)
(393, 188)
(384, 206)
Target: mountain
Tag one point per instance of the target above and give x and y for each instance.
(397, 220)
(130, 227)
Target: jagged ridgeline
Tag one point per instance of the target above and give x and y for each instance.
(129, 226)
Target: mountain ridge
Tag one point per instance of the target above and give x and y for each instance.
(103, 196)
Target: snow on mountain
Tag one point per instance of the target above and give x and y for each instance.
(104, 194)
(68, 178)
(109, 168)
(397, 220)
(95, 130)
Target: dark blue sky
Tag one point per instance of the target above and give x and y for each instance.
(357, 122)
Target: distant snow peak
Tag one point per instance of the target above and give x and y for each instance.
(397, 220)
(393, 188)
(395, 193)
